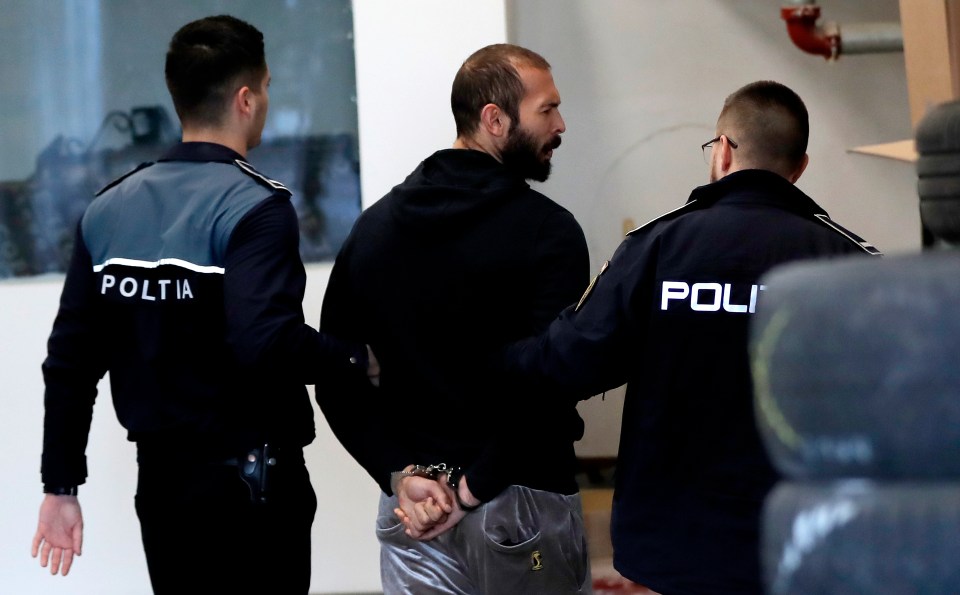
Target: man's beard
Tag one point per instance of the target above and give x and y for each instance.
(524, 156)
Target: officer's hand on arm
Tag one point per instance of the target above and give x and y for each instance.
(59, 533)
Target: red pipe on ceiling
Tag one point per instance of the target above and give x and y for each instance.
(806, 35)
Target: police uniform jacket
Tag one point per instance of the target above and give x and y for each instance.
(186, 285)
(668, 315)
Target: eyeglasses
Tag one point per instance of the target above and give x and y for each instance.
(709, 145)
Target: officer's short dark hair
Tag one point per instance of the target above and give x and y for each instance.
(490, 75)
(208, 59)
(772, 123)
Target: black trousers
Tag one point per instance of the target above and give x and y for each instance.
(203, 534)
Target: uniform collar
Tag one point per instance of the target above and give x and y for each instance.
(758, 186)
(200, 151)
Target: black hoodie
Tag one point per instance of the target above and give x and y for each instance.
(452, 264)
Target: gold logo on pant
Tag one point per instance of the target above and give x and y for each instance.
(536, 562)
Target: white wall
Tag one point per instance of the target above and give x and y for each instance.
(641, 82)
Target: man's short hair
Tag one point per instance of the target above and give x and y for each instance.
(207, 61)
(771, 123)
(490, 75)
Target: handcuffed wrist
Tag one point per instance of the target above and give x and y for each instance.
(428, 472)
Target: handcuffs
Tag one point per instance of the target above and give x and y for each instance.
(433, 472)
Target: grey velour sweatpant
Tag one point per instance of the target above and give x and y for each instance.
(524, 541)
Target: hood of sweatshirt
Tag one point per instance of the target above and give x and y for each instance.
(450, 188)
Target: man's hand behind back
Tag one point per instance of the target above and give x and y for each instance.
(425, 531)
(423, 504)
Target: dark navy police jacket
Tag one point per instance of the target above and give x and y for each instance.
(186, 285)
(668, 315)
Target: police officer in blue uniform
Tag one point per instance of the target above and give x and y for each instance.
(186, 285)
(668, 315)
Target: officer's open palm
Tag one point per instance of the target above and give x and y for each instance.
(59, 533)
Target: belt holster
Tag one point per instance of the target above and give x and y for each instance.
(255, 469)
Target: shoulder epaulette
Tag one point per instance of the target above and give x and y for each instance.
(863, 244)
(124, 177)
(259, 177)
(686, 207)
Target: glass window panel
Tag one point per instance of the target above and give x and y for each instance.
(83, 100)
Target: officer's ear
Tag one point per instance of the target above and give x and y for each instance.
(724, 150)
(793, 177)
(244, 99)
